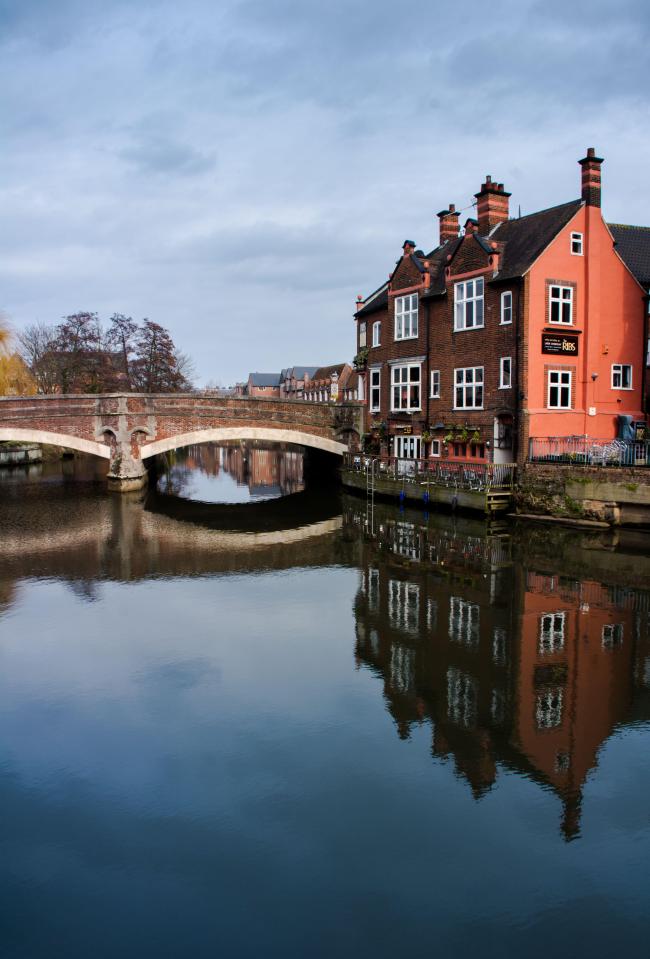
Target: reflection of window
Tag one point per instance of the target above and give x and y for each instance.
(463, 621)
(403, 604)
(373, 589)
(462, 697)
(499, 645)
(374, 642)
(432, 613)
(548, 708)
(498, 707)
(551, 632)
(402, 668)
(612, 635)
(407, 541)
(562, 762)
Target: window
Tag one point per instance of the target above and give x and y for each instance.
(612, 635)
(560, 304)
(505, 373)
(460, 449)
(548, 708)
(551, 632)
(435, 384)
(469, 304)
(376, 333)
(406, 317)
(506, 307)
(408, 447)
(435, 447)
(621, 376)
(576, 244)
(469, 388)
(375, 391)
(362, 334)
(406, 388)
(463, 621)
(559, 389)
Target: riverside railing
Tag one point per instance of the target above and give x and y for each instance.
(455, 474)
(585, 451)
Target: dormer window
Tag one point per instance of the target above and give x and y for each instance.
(468, 297)
(576, 244)
(406, 317)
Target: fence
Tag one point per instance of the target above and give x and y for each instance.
(455, 474)
(582, 450)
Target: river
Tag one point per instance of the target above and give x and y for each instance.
(245, 716)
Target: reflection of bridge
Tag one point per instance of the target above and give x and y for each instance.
(128, 428)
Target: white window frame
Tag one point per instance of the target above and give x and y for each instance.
(612, 635)
(363, 334)
(434, 393)
(468, 387)
(502, 368)
(559, 385)
(469, 293)
(561, 300)
(375, 374)
(406, 317)
(552, 627)
(398, 382)
(506, 308)
(548, 708)
(577, 240)
(407, 447)
(376, 333)
(617, 371)
(435, 448)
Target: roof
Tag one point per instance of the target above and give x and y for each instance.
(264, 379)
(326, 372)
(299, 372)
(376, 301)
(633, 244)
(526, 237)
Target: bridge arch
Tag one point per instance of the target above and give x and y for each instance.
(45, 438)
(230, 433)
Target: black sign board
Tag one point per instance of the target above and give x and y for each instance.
(560, 344)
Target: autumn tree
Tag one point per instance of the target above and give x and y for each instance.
(15, 378)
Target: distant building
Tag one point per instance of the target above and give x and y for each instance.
(328, 383)
(295, 379)
(263, 384)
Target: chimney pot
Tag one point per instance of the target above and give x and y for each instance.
(448, 223)
(590, 178)
(491, 206)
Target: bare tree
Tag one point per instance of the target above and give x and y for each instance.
(122, 337)
(155, 368)
(37, 347)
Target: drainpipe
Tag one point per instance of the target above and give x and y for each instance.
(518, 383)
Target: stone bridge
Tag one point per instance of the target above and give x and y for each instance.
(130, 427)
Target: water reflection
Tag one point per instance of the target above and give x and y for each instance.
(188, 745)
(510, 666)
(210, 473)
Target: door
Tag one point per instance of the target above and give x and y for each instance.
(407, 451)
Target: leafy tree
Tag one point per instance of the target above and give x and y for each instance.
(78, 347)
(15, 378)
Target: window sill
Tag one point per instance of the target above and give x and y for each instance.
(401, 339)
(505, 387)
(414, 410)
(505, 323)
(469, 329)
(437, 397)
(468, 409)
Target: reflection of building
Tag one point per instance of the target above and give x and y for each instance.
(263, 470)
(509, 667)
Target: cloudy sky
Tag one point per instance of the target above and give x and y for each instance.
(238, 170)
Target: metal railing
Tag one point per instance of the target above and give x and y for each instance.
(454, 474)
(585, 451)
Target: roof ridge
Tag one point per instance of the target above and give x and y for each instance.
(526, 216)
(629, 226)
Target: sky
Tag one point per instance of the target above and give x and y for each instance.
(239, 170)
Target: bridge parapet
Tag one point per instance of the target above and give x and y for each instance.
(127, 428)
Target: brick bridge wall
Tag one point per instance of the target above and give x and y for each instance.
(127, 428)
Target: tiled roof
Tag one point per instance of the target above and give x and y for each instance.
(264, 379)
(633, 244)
(325, 372)
(376, 301)
(526, 237)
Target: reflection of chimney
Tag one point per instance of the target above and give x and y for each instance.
(571, 819)
(591, 177)
(491, 205)
(448, 223)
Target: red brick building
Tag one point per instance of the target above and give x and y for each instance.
(508, 330)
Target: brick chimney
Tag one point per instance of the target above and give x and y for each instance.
(491, 205)
(448, 223)
(408, 247)
(591, 177)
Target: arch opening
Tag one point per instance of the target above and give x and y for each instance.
(232, 433)
(63, 440)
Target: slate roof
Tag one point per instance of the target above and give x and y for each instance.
(528, 236)
(264, 379)
(376, 301)
(299, 372)
(633, 244)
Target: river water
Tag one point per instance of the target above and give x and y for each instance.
(292, 726)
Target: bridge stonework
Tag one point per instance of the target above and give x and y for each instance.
(128, 428)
